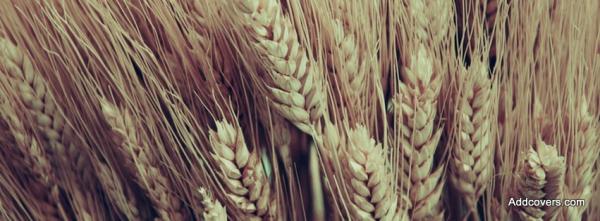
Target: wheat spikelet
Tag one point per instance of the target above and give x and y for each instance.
(542, 178)
(124, 201)
(35, 162)
(298, 91)
(213, 210)
(418, 138)
(40, 103)
(371, 191)
(471, 164)
(241, 172)
(580, 170)
(140, 163)
(431, 19)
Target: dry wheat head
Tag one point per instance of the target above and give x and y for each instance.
(140, 163)
(241, 172)
(298, 92)
(471, 163)
(415, 106)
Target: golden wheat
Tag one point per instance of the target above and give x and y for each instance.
(140, 163)
(241, 172)
(418, 136)
(40, 103)
(471, 163)
(542, 178)
(580, 171)
(35, 163)
(213, 210)
(298, 91)
(370, 188)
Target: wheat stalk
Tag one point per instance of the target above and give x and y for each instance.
(542, 178)
(580, 170)
(418, 137)
(471, 163)
(371, 190)
(40, 103)
(298, 91)
(241, 172)
(140, 163)
(213, 210)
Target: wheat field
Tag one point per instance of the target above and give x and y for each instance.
(172, 110)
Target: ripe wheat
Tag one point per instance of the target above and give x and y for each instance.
(416, 108)
(242, 173)
(471, 163)
(298, 91)
(141, 164)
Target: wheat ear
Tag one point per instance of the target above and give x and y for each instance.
(140, 163)
(33, 160)
(40, 103)
(542, 178)
(471, 163)
(241, 172)
(213, 210)
(123, 200)
(371, 190)
(298, 90)
(430, 16)
(418, 136)
(580, 170)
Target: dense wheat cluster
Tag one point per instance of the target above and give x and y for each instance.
(320, 110)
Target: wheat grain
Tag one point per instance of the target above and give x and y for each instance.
(471, 164)
(415, 106)
(371, 190)
(213, 210)
(298, 91)
(580, 170)
(140, 163)
(542, 178)
(241, 172)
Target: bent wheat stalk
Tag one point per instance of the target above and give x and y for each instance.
(298, 91)
(140, 163)
(415, 107)
(471, 163)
